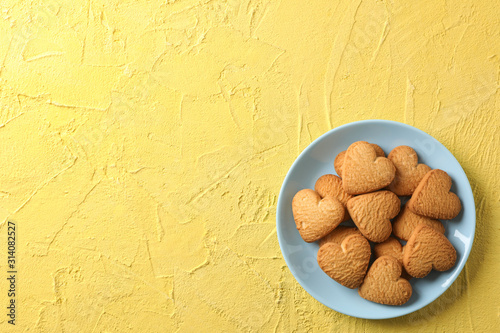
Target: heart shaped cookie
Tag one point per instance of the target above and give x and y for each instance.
(372, 213)
(339, 162)
(339, 234)
(391, 247)
(331, 185)
(347, 262)
(339, 159)
(363, 171)
(432, 197)
(383, 283)
(409, 172)
(316, 217)
(428, 249)
(406, 221)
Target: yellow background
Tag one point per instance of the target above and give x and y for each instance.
(143, 145)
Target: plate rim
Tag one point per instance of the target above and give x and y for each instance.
(311, 146)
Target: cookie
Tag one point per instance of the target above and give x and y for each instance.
(428, 249)
(379, 151)
(339, 162)
(372, 213)
(316, 217)
(409, 172)
(339, 159)
(363, 171)
(406, 221)
(331, 185)
(347, 262)
(432, 197)
(339, 234)
(383, 283)
(391, 247)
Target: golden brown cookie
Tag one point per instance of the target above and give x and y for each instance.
(339, 234)
(339, 162)
(428, 249)
(331, 185)
(409, 172)
(347, 262)
(339, 159)
(432, 197)
(372, 213)
(316, 217)
(383, 283)
(406, 221)
(379, 151)
(363, 171)
(391, 247)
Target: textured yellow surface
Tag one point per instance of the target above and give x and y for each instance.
(143, 145)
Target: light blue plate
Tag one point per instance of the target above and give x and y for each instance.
(317, 160)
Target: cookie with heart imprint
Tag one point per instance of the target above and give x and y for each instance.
(316, 217)
(347, 262)
(339, 234)
(363, 171)
(383, 283)
(391, 247)
(409, 172)
(432, 197)
(339, 159)
(406, 221)
(331, 185)
(428, 249)
(372, 213)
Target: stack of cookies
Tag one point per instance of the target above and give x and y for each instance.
(368, 191)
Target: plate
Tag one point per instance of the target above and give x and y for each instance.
(317, 160)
